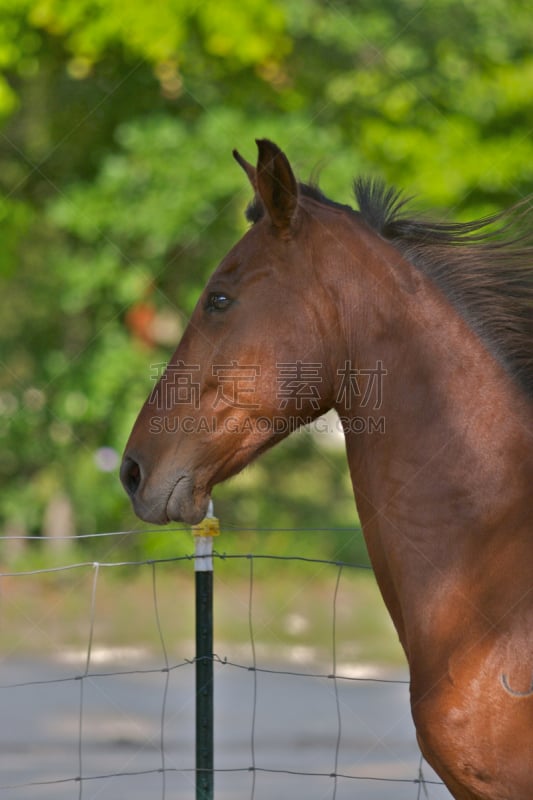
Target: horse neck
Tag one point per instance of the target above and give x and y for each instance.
(445, 476)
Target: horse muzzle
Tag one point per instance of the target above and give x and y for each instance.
(161, 501)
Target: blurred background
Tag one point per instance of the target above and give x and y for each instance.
(119, 195)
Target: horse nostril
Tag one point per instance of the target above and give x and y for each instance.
(130, 475)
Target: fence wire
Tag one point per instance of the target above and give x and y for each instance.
(161, 743)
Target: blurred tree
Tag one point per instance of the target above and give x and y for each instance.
(119, 196)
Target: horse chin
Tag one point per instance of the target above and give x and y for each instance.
(186, 504)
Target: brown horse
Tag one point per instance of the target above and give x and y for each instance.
(420, 335)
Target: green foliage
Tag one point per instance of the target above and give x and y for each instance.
(247, 33)
(118, 196)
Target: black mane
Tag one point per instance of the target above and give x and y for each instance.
(484, 267)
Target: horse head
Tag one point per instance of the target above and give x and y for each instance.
(250, 366)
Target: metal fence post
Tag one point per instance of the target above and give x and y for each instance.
(203, 565)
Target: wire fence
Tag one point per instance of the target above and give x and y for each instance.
(84, 726)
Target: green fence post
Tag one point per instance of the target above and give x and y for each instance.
(203, 566)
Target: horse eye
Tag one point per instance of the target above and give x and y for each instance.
(217, 302)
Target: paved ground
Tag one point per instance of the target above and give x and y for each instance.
(296, 727)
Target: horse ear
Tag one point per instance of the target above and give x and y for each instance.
(248, 168)
(276, 184)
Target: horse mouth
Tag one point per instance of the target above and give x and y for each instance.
(186, 503)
